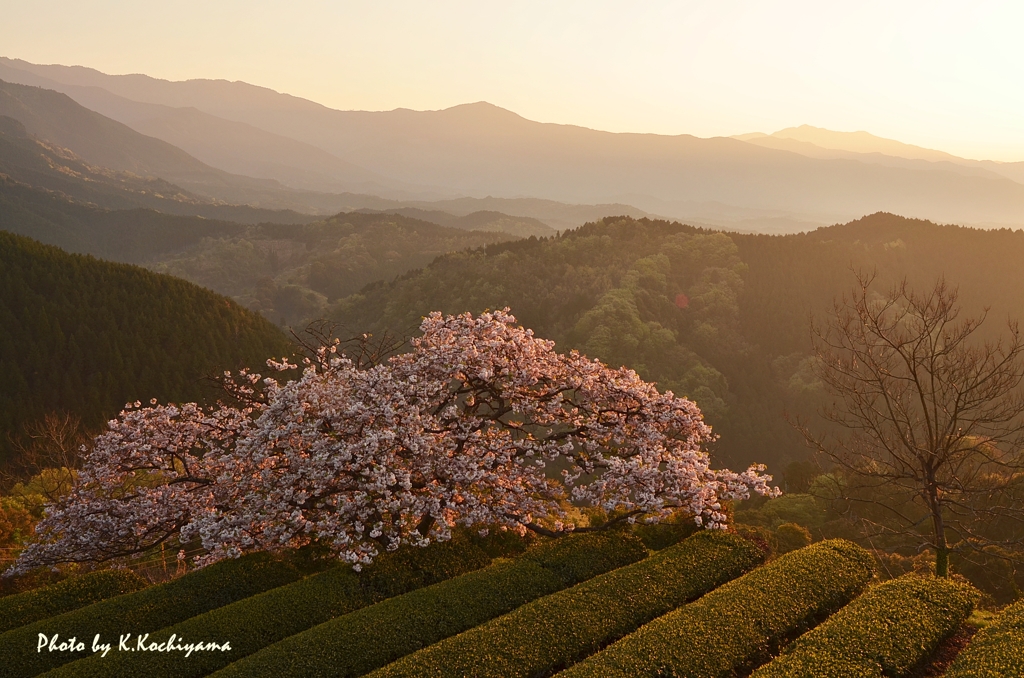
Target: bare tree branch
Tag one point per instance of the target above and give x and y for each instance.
(928, 416)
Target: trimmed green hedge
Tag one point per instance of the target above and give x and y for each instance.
(359, 642)
(64, 596)
(658, 536)
(557, 630)
(258, 621)
(996, 651)
(143, 611)
(738, 625)
(888, 631)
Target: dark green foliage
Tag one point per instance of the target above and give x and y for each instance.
(143, 611)
(87, 336)
(70, 594)
(263, 619)
(888, 631)
(407, 569)
(802, 509)
(790, 537)
(996, 651)
(359, 642)
(550, 633)
(738, 625)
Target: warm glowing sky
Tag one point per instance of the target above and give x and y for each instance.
(938, 74)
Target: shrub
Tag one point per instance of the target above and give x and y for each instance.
(888, 631)
(790, 537)
(995, 651)
(552, 632)
(263, 619)
(138, 613)
(802, 509)
(70, 594)
(736, 626)
(362, 641)
(657, 536)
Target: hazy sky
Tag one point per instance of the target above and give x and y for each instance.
(938, 74)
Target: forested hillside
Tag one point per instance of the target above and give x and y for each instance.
(722, 318)
(87, 336)
(289, 272)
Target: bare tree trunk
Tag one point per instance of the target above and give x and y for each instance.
(941, 547)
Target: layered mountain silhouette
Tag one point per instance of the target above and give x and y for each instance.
(480, 150)
(27, 160)
(788, 181)
(99, 141)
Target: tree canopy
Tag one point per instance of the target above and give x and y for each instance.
(481, 423)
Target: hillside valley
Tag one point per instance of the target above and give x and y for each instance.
(720, 317)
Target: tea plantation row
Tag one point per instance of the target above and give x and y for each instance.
(588, 605)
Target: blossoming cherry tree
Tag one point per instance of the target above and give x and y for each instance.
(480, 423)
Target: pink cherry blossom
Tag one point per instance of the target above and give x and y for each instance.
(481, 423)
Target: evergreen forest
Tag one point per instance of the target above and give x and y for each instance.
(86, 336)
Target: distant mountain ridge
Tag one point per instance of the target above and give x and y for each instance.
(101, 141)
(482, 220)
(481, 150)
(46, 166)
(816, 142)
(231, 146)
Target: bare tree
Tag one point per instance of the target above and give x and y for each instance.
(54, 442)
(929, 416)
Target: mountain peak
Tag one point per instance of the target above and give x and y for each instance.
(483, 109)
(859, 142)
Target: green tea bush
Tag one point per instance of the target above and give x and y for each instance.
(552, 632)
(887, 631)
(790, 537)
(356, 643)
(658, 536)
(142, 612)
(996, 651)
(70, 594)
(739, 624)
(260, 620)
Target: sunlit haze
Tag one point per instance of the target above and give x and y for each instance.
(941, 75)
